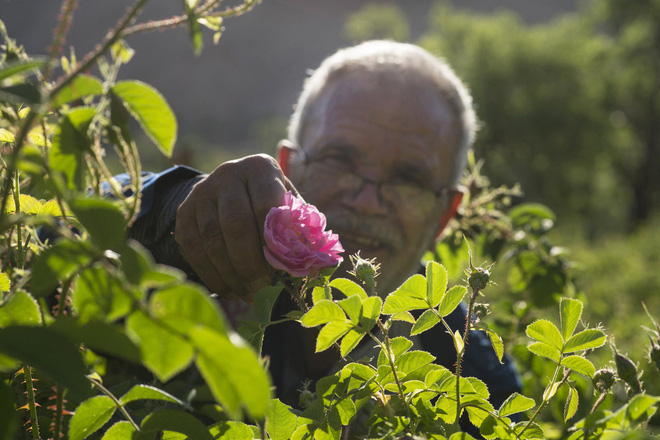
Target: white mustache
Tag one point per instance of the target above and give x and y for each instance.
(371, 228)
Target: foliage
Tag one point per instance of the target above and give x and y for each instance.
(98, 341)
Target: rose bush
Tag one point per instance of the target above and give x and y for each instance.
(296, 239)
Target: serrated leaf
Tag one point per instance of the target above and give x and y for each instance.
(436, 282)
(20, 309)
(146, 392)
(280, 420)
(584, 340)
(437, 376)
(399, 346)
(53, 208)
(426, 321)
(70, 143)
(57, 262)
(321, 292)
(545, 331)
(330, 333)
(415, 287)
(371, 308)
(458, 342)
(177, 421)
(51, 353)
(151, 111)
(497, 343)
(403, 316)
(352, 306)
(6, 136)
(102, 219)
(551, 390)
(570, 313)
(164, 352)
(346, 409)
(5, 284)
(232, 370)
(231, 431)
(15, 67)
(90, 416)
(348, 287)
(98, 295)
(121, 431)
(350, 341)
(81, 86)
(29, 205)
(532, 430)
(323, 312)
(451, 300)
(640, 405)
(579, 365)
(514, 404)
(572, 401)
(189, 306)
(396, 304)
(413, 360)
(544, 350)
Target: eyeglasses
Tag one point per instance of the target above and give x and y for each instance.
(396, 190)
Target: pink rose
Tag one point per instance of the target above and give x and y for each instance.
(296, 239)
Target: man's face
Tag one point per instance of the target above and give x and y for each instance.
(377, 154)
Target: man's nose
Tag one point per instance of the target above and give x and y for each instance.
(367, 199)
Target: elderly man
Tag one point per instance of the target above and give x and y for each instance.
(377, 142)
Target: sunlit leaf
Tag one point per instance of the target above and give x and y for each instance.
(371, 309)
(70, 143)
(146, 392)
(90, 416)
(189, 306)
(544, 350)
(403, 316)
(570, 313)
(102, 219)
(350, 341)
(545, 331)
(280, 420)
(395, 304)
(177, 421)
(81, 86)
(426, 321)
(98, 295)
(498, 344)
(5, 284)
(589, 338)
(514, 404)
(572, 401)
(6, 136)
(412, 360)
(348, 287)
(436, 279)
(17, 66)
(352, 306)
(551, 390)
(323, 312)
(331, 332)
(151, 111)
(56, 263)
(20, 309)
(231, 431)
(451, 300)
(639, 405)
(579, 365)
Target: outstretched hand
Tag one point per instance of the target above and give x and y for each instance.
(219, 227)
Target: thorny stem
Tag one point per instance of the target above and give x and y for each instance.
(459, 354)
(60, 34)
(111, 38)
(100, 386)
(387, 348)
(34, 423)
(59, 411)
(546, 400)
(19, 230)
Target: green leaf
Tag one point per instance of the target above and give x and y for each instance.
(52, 208)
(545, 331)
(584, 340)
(280, 420)
(233, 372)
(5, 284)
(451, 300)
(102, 219)
(403, 316)
(321, 292)
(579, 365)
(146, 392)
(58, 262)
(194, 28)
(101, 337)
(551, 390)
(514, 404)
(497, 343)
(7, 136)
(331, 332)
(571, 406)
(413, 360)
(640, 405)
(415, 287)
(348, 287)
(347, 410)
(436, 279)
(151, 111)
(371, 308)
(164, 352)
(15, 67)
(29, 205)
(352, 306)
(570, 313)
(10, 420)
(395, 304)
(122, 431)
(98, 295)
(177, 421)
(527, 212)
(20, 309)
(81, 86)
(70, 143)
(458, 342)
(323, 312)
(90, 416)
(231, 431)
(426, 321)
(25, 93)
(350, 341)
(141, 270)
(544, 350)
(399, 346)
(52, 353)
(189, 306)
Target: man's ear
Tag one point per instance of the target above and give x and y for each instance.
(285, 152)
(456, 196)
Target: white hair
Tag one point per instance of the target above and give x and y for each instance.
(408, 63)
